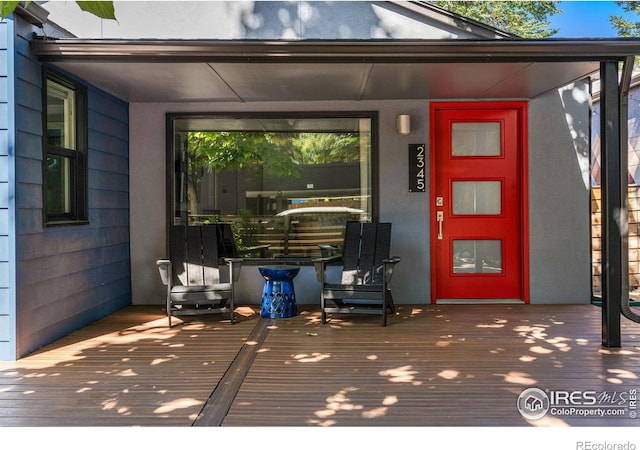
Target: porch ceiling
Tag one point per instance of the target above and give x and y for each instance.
(249, 71)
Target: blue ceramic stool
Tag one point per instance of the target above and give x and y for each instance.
(278, 296)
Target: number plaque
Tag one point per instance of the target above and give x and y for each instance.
(417, 167)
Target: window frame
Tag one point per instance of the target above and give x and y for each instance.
(171, 117)
(77, 157)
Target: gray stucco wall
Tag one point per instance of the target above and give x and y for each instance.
(407, 211)
(299, 19)
(558, 200)
(559, 197)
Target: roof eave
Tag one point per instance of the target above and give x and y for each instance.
(396, 51)
(449, 18)
(32, 13)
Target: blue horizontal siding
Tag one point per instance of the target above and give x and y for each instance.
(5, 337)
(69, 276)
(4, 167)
(64, 264)
(101, 159)
(4, 142)
(30, 94)
(31, 219)
(4, 273)
(104, 120)
(108, 199)
(32, 144)
(4, 88)
(29, 196)
(29, 171)
(4, 195)
(4, 113)
(30, 121)
(4, 249)
(27, 69)
(7, 228)
(4, 300)
(4, 222)
(73, 286)
(108, 181)
(58, 240)
(75, 309)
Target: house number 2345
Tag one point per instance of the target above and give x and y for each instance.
(417, 166)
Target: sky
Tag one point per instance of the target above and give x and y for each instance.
(587, 19)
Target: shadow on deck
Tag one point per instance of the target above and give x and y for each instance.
(433, 365)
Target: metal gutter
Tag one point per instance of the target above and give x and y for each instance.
(385, 51)
(32, 13)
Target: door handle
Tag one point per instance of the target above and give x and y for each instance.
(440, 219)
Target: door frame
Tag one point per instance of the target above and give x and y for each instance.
(521, 108)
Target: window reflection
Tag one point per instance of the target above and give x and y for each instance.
(477, 256)
(291, 183)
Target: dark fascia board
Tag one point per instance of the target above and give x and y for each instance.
(32, 13)
(369, 51)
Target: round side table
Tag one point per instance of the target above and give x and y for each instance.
(278, 295)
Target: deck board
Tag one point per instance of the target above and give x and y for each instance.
(128, 369)
(433, 365)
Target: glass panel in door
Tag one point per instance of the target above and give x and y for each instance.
(475, 139)
(477, 197)
(477, 256)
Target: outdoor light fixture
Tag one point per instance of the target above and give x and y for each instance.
(403, 123)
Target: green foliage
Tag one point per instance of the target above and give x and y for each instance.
(102, 9)
(256, 153)
(326, 148)
(217, 151)
(274, 154)
(265, 154)
(625, 27)
(244, 231)
(527, 19)
(7, 8)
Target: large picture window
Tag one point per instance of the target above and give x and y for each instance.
(286, 183)
(65, 148)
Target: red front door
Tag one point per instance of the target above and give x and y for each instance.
(477, 200)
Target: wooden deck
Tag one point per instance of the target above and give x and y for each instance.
(433, 365)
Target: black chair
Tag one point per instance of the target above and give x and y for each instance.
(366, 273)
(194, 273)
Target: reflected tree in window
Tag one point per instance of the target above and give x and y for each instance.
(254, 153)
(289, 183)
(326, 148)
